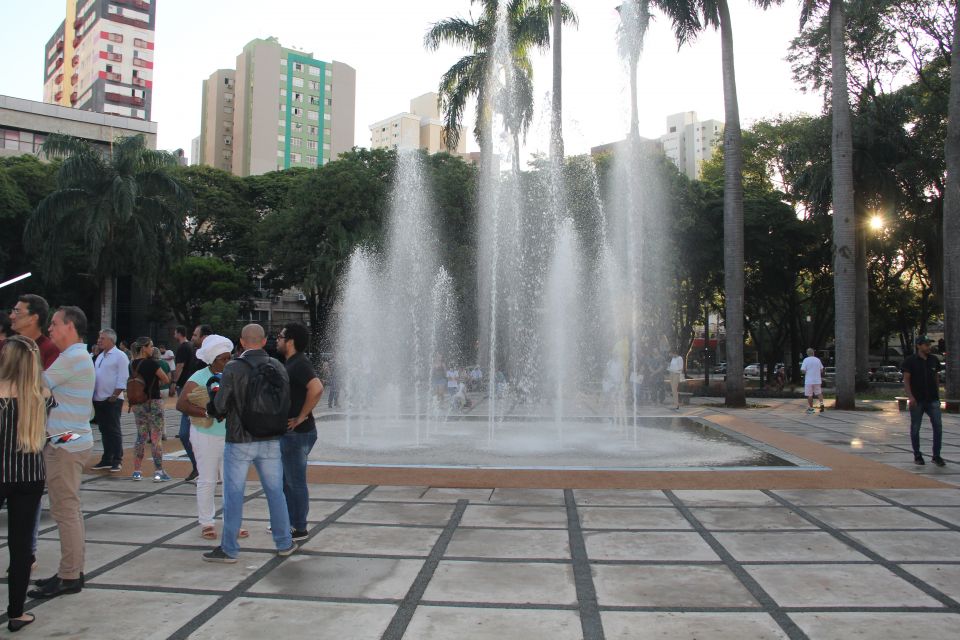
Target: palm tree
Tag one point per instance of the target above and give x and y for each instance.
(844, 215)
(634, 21)
(529, 26)
(122, 205)
(556, 124)
(689, 17)
(951, 220)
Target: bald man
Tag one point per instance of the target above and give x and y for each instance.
(252, 442)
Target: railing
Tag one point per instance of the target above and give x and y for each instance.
(113, 77)
(75, 60)
(73, 98)
(76, 41)
(108, 55)
(140, 62)
(74, 78)
(113, 37)
(58, 79)
(117, 97)
(59, 45)
(139, 82)
(58, 95)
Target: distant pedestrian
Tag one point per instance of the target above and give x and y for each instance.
(675, 371)
(186, 366)
(332, 381)
(921, 380)
(254, 396)
(148, 414)
(295, 446)
(812, 370)
(112, 367)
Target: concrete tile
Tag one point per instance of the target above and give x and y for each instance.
(122, 527)
(515, 582)
(641, 545)
(929, 497)
(394, 493)
(950, 514)
(97, 500)
(875, 626)
(624, 625)
(725, 498)
(621, 497)
(335, 491)
(165, 567)
(669, 586)
(425, 514)
(838, 585)
(163, 504)
(451, 494)
(436, 623)
(509, 543)
(259, 509)
(268, 618)
(507, 516)
(259, 537)
(95, 556)
(147, 615)
(872, 518)
(787, 546)
(374, 540)
(749, 518)
(632, 518)
(824, 497)
(915, 545)
(340, 577)
(117, 482)
(943, 577)
(552, 497)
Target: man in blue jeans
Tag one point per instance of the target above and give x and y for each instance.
(921, 379)
(295, 446)
(243, 448)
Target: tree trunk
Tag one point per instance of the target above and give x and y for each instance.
(732, 217)
(951, 221)
(634, 117)
(107, 302)
(862, 380)
(556, 124)
(844, 228)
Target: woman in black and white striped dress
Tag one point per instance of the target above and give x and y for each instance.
(24, 402)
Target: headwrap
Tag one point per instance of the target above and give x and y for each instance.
(213, 346)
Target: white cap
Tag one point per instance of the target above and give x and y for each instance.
(213, 346)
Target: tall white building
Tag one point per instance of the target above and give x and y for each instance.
(419, 128)
(690, 142)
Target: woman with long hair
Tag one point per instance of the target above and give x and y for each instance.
(24, 402)
(149, 414)
(207, 434)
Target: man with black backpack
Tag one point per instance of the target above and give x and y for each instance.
(254, 396)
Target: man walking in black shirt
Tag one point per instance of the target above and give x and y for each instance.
(922, 381)
(295, 446)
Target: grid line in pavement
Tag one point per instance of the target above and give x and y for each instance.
(590, 621)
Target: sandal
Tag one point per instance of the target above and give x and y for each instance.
(243, 533)
(208, 533)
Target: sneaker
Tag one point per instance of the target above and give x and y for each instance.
(161, 476)
(217, 555)
(115, 468)
(193, 475)
(809, 410)
(102, 466)
(918, 459)
(136, 476)
(937, 460)
(286, 552)
(299, 534)
(821, 408)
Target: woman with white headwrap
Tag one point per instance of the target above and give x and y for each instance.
(206, 434)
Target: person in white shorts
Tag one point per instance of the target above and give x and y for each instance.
(812, 370)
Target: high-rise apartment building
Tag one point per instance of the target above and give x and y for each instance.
(101, 57)
(283, 108)
(690, 142)
(216, 126)
(419, 128)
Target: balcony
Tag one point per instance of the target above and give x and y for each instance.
(132, 100)
(58, 95)
(77, 24)
(75, 60)
(140, 62)
(114, 57)
(59, 45)
(73, 98)
(140, 82)
(76, 41)
(112, 37)
(140, 4)
(112, 77)
(58, 63)
(58, 79)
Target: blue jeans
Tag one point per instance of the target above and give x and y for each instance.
(184, 436)
(932, 409)
(265, 456)
(294, 449)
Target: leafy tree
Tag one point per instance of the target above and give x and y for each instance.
(198, 279)
(951, 220)
(123, 205)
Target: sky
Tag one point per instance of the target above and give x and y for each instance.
(383, 41)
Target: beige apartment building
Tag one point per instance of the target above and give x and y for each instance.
(25, 124)
(215, 148)
(283, 108)
(690, 142)
(419, 128)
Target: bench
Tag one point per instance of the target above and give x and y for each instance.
(685, 398)
(901, 402)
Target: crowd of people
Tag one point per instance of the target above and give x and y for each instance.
(239, 407)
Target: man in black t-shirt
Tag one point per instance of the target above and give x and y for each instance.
(295, 446)
(185, 361)
(921, 380)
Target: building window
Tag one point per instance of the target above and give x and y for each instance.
(314, 71)
(227, 140)
(297, 111)
(295, 157)
(312, 130)
(327, 88)
(297, 66)
(279, 153)
(329, 102)
(311, 159)
(329, 73)
(283, 78)
(313, 115)
(228, 109)
(283, 93)
(312, 145)
(296, 142)
(314, 100)
(313, 85)
(297, 127)
(281, 138)
(297, 82)
(298, 97)
(282, 122)
(326, 116)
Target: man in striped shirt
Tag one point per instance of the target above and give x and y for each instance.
(71, 378)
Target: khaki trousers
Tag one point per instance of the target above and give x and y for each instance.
(64, 471)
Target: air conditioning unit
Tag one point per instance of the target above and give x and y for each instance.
(301, 297)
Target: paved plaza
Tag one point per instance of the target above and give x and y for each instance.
(422, 562)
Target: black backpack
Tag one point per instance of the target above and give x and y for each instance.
(267, 401)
